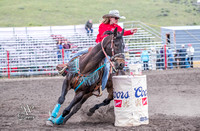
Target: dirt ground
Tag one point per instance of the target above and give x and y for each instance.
(173, 98)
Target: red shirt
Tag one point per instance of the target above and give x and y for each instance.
(107, 27)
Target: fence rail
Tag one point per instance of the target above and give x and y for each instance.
(33, 51)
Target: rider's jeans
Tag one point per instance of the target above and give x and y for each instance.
(106, 73)
(83, 51)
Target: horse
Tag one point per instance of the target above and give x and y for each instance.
(85, 73)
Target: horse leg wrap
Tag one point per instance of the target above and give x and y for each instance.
(52, 119)
(55, 111)
(59, 120)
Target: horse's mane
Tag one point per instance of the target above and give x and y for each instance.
(110, 33)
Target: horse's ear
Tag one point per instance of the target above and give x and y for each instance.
(115, 32)
(122, 32)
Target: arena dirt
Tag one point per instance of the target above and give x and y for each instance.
(173, 98)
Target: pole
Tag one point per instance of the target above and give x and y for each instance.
(165, 51)
(8, 65)
(63, 55)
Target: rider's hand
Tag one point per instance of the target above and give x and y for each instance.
(134, 30)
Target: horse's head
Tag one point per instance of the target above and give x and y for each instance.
(119, 61)
(114, 47)
(114, 42)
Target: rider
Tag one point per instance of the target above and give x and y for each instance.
(109, 23)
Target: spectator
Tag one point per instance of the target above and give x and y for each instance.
(158, 61)
(182, 54)
(170, 58)
(190, 53)
(153, 58)
(66, 47)
(177, 59)
(145, 59)
(88, 27)
(162, 57)
(59, 50)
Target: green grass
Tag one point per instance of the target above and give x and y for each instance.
(19, 13)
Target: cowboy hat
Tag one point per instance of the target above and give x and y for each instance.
(114, 13)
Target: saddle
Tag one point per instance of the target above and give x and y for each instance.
(63, 70)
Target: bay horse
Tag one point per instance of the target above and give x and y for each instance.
(85, 75)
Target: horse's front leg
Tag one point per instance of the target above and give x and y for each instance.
(77, 107)
(67, 110)
(65, 89)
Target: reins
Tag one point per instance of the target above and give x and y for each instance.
(106, 54)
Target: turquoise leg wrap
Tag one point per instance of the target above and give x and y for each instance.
(55, 111)
(59, 120)
(52, 119)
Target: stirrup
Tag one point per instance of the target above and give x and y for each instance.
(98, 91)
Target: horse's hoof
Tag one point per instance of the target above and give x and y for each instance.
(89, 113)
(49, 123)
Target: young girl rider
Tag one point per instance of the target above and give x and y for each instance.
(109, 23)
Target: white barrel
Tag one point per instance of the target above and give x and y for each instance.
(130, 100)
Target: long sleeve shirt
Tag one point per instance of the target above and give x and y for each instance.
(108, 27)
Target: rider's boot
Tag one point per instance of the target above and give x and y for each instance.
(62, 69)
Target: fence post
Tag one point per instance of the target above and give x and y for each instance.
(165, 50)
(63, 55)
(13, 30)
(50, 29)
(74, 28)
(26, 30)
(8, 65)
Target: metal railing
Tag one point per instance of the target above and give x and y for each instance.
(35, 53)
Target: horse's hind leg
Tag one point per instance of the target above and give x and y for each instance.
(65, 88)
(97, 106)
(104, 103)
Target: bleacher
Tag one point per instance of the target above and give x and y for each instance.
(33, 50)
(36, 52)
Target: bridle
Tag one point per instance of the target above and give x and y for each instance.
(112, 49)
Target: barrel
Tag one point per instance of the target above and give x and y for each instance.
(130, 100)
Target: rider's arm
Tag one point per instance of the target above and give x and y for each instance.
(126, 32)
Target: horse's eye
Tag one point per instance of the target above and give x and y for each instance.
(116, 44)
